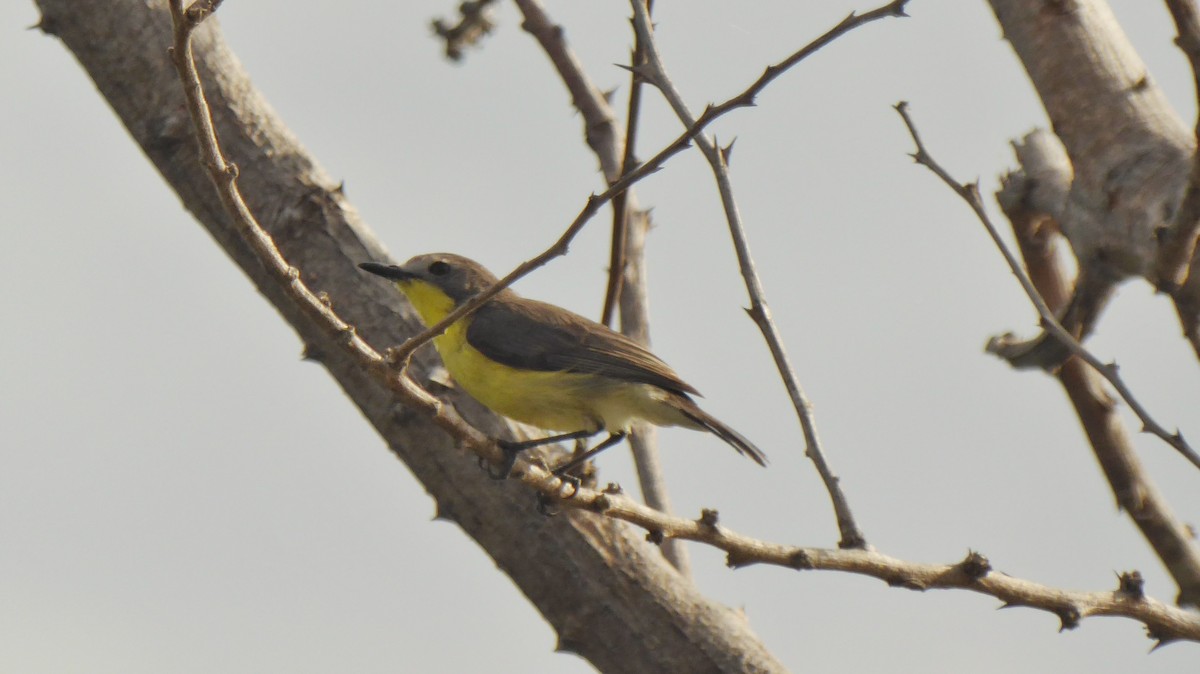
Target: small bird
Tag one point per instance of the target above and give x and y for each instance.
(545, 366)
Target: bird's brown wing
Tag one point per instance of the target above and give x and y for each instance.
(531, 335)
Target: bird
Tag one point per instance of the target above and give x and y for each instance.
(546, 366)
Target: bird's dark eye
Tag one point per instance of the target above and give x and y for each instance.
(439, 268)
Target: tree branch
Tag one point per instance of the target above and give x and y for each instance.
(1179, 240)
(608, 144)
(1029, 197)
(1131, 153)
(610, 599)
(655, 73)
(998, 345)
(641, 616)
(474, 24)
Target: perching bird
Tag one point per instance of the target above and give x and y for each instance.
(545, 366)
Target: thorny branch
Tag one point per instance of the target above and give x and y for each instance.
(621, 211)
(654, 72)
(1028, 197)
(1164, 623)
(596, 201)
(629, 225)
(970, 193)
(474, 23)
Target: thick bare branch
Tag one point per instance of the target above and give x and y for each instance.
(645, 618)
(1049, 322)
(649, 619)
(1131, 153)
(1177, 241)
(473, 24)
(1179, 277)
(1029, 197)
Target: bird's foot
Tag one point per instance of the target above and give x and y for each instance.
(544, 500)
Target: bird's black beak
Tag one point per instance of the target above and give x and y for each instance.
(388, 271)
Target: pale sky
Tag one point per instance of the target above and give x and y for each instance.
(180, 493)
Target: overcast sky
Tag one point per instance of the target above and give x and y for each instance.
(180, 493)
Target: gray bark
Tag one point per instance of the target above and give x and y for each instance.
(608, 594)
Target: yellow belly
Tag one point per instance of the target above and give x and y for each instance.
(556, 401)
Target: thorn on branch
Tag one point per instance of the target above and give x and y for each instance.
(45, 24)
(655, 536)
(442, 513)
(600, 504)
(708, 518)
(1159, 638)
(1070, 616)
(727, 151)
(1131, 584)
(474, 24)
(975, 565)
(613, 488)
(734, 560)
(800, 560)
(566, 645)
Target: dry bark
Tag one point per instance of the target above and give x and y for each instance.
(608, 593)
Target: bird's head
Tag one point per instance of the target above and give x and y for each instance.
(435, 283)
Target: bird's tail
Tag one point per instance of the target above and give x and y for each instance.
(709, 423)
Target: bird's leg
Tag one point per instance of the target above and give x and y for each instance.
(562, 471)
(512, 448)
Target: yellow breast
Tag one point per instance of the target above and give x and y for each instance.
(559, 401)
(556, 401)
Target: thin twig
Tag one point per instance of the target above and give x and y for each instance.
(746, 98)
(626, 289)
(604, 138)
(970, 193)
(1031, 198)
(681, 143)
(655, 73)
(474, 23)
(1164, 623)
(633, 113)
(224, 176)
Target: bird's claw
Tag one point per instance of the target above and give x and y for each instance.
(544, 500)
(572, 480)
